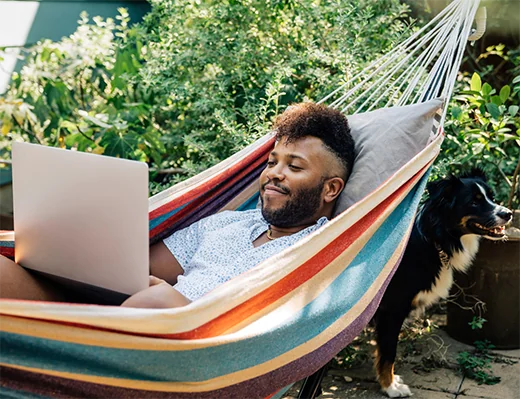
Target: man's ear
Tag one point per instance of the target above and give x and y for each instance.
(333, 188)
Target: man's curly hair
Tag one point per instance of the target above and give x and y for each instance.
(317, 120)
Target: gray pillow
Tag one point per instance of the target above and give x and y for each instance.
(385, 140)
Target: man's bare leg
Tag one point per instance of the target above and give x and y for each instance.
(18, 283)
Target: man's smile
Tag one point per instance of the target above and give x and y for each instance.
(271, 189)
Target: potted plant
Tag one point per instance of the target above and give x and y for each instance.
(484, 131)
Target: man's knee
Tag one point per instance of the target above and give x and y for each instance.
(18, 283)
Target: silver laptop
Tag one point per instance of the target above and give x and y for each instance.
(82, 218)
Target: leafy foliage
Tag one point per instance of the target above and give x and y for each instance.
(195, 81)
(484, 131)
(77, 94)
(477, 364)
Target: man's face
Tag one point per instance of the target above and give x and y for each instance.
(292, 184)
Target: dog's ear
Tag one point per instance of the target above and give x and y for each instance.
(443, 190)
(475, 173)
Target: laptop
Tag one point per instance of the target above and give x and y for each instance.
(82, 219)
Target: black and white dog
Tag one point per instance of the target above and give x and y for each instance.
(445, 237)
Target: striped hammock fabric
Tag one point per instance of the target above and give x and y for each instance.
(263, 330)
(259, 332)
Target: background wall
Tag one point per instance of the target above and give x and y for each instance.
(23, 23)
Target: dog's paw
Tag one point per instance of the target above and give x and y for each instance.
(397, 389)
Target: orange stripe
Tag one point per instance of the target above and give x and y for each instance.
(214, 181)
(297, 277)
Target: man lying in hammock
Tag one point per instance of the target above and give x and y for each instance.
(305, 173)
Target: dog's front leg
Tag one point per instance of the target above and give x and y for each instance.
(388, 326)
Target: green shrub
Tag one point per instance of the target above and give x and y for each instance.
(483, 130)
(195, 80)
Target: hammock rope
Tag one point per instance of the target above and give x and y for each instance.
(280, 321)
(426, 63)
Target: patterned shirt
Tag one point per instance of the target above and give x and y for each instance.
(220, 247)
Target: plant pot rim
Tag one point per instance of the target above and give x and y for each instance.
(513, 231)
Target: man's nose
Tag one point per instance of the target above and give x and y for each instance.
(505, 214)
(275, 172)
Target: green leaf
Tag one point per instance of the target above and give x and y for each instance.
(496, 100)
(119, 144)
(504, 93)
(493, 110)
(456, 112)
(476, 83)
(94, 120)
(513, 109)
(153, 140)
(516, 79)
(486, 89)
(78, 140)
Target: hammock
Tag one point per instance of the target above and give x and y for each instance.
(280, 321)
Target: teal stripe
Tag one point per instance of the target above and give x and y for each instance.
(158, 220)
(250, 203)
(340, 296)
(7, 244)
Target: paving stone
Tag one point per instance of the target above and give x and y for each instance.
(507, 388)
(513, 353)
(336, 388)
(439, 383)
(442, 380)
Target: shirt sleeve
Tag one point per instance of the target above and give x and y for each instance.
(183, 244)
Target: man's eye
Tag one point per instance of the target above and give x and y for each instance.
(293, 167)
(270, 163)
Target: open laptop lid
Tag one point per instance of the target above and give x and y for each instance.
(80, 216)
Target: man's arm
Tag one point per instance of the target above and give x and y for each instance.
(163, 264)
(159, 295)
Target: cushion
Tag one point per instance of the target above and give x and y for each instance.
(385, 140)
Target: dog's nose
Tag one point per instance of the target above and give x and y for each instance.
(505, 214)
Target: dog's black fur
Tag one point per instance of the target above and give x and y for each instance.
(451, 221)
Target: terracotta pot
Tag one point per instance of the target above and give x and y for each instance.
(493, 279)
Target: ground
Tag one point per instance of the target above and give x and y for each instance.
(427, 362)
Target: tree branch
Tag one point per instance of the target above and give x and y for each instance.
(84, 135)
(169, 171)
(28, 132)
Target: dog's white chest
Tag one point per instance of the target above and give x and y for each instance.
(461, 261)
(440, 289)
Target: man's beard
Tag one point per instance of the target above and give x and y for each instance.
(299, 208)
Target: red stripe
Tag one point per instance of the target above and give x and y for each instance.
(8, 252)
(214, 181)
